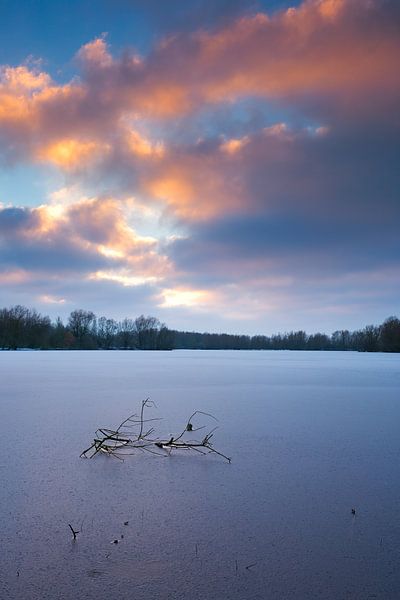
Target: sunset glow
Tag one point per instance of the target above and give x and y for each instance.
(182, 297)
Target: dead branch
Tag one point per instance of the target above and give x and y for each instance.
(133, 435)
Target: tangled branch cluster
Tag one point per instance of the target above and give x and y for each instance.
(136, 433)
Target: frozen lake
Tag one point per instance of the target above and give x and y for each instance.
(311, 436)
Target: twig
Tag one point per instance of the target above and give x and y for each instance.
(130, 435)
(74, 533)
(189, 424)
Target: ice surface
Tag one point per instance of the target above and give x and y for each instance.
(311, 436)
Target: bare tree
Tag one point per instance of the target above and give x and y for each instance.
(82, 324)
(146, 332)
(127, 334)
(106, 332)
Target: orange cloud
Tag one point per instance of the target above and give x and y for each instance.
(323, 46)
(342, 48)
(234, 145)
(142, 146)
(190, 195)
(17, 86)
(21, 79)
(198, 184)
(73, 153)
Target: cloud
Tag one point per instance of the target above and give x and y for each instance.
(173, 297)
(72, 154)
(329, 57)
(328, 54)
(79, 240)
(190, 214)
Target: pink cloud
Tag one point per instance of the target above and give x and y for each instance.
(336, 53)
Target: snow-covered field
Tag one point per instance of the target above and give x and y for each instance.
(311, 435)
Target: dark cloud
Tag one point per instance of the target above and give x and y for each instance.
(27, 243)
(13, 219)
(317, 204)
(283, 245)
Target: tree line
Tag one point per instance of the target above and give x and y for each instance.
(22, 327)
(373, 338)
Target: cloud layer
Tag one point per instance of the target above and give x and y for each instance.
(181, 209)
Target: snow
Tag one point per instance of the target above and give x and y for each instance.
(311, 435)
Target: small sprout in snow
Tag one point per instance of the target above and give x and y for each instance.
(74, 533)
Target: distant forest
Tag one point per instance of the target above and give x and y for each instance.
(22, 327)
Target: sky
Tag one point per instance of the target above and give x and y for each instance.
(225, 165)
